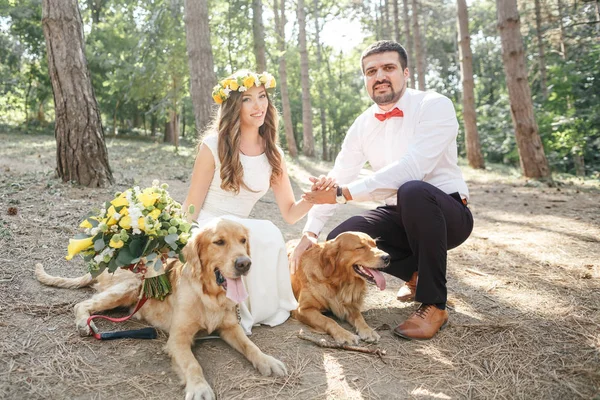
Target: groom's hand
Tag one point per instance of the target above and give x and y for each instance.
(322, 183)
(307, 241)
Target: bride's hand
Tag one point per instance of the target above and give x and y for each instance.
(322, 183)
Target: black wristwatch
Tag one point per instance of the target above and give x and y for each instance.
(339, 196)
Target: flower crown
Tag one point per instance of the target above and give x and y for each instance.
(240, 82)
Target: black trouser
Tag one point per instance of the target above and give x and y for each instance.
(417, 233)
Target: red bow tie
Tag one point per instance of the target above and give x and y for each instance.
(396, 112)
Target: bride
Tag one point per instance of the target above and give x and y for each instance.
(237, 162)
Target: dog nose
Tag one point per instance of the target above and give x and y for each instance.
(242, 264)
(386, 260)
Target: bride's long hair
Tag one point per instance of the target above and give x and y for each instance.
(227, 127)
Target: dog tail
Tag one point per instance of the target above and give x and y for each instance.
(68, 283)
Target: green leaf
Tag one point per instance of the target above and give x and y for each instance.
(136, 246)
(172, 254)
(99, 245)
(112, 265)
(81, 236)
(124, 257)
(151, 256)
(171, 239)
(158, 264)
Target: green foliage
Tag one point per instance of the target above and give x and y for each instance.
(137, 58)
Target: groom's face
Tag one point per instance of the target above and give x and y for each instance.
(384, 78)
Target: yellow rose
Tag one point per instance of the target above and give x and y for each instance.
(148, 198)
(120, 201)
(85, 224)
(116, 242)
(141, 224)
(273, 84)
(125, 222)
(217, 99)
(263, 79)
(249, 81)
(78, 245)
(155, 213)
(111, 211)
(233, 85)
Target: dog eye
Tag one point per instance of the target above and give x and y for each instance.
(243, 241)
(219, 242)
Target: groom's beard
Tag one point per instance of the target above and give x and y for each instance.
(390, 98)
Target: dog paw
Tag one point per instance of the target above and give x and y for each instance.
(83, 328)
(199, 391)
(345, 337)
(369, 336)
(268, 366)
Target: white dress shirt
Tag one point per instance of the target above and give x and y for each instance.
(421, 145)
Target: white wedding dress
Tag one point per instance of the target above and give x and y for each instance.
(270, 297)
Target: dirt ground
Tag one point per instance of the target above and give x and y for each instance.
(524, 297)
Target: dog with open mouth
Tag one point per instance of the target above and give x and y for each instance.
(205, 293)
(333, 276)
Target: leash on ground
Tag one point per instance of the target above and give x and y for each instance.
(144, 333)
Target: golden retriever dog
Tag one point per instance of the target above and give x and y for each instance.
(201, 299)
(332, 276)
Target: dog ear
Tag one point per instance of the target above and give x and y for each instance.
(191, 253)
(329, 257)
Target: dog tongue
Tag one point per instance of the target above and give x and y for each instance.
(236, 290)
(379, 279)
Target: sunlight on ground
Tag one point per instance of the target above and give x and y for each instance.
(421, 392)
(432, 352)
(337, 386)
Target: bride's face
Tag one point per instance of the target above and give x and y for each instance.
(254, 108)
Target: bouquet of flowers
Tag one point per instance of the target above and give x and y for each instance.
(136, 230)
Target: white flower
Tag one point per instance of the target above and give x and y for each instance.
(242, 88)
(114, 228)
(155, 183)
(136, 231)
(227, 91)
(117, 216)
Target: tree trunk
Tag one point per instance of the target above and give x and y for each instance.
(324, 153)
(418, 55)
(200, 59)
(81, 154)
(258, 32)
(308, 145)
(466, 68)
(396, 21)
(563, 48)
(529, 143)
(409, 43)
(386, 20)
(541, 55)
(285, 97)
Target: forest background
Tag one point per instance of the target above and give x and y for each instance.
(138, 63)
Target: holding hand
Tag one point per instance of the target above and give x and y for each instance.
(322, 183)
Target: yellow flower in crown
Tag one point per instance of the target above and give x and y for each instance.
(249, 81)
(240, 82)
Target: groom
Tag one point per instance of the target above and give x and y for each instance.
(409, 139)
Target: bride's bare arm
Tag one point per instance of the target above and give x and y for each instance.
(202, 175)
(292, 210)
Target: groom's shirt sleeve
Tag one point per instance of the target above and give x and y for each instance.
(436, 129)
(348, 164)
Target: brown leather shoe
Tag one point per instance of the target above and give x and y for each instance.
(407, 292)
(423, 324)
